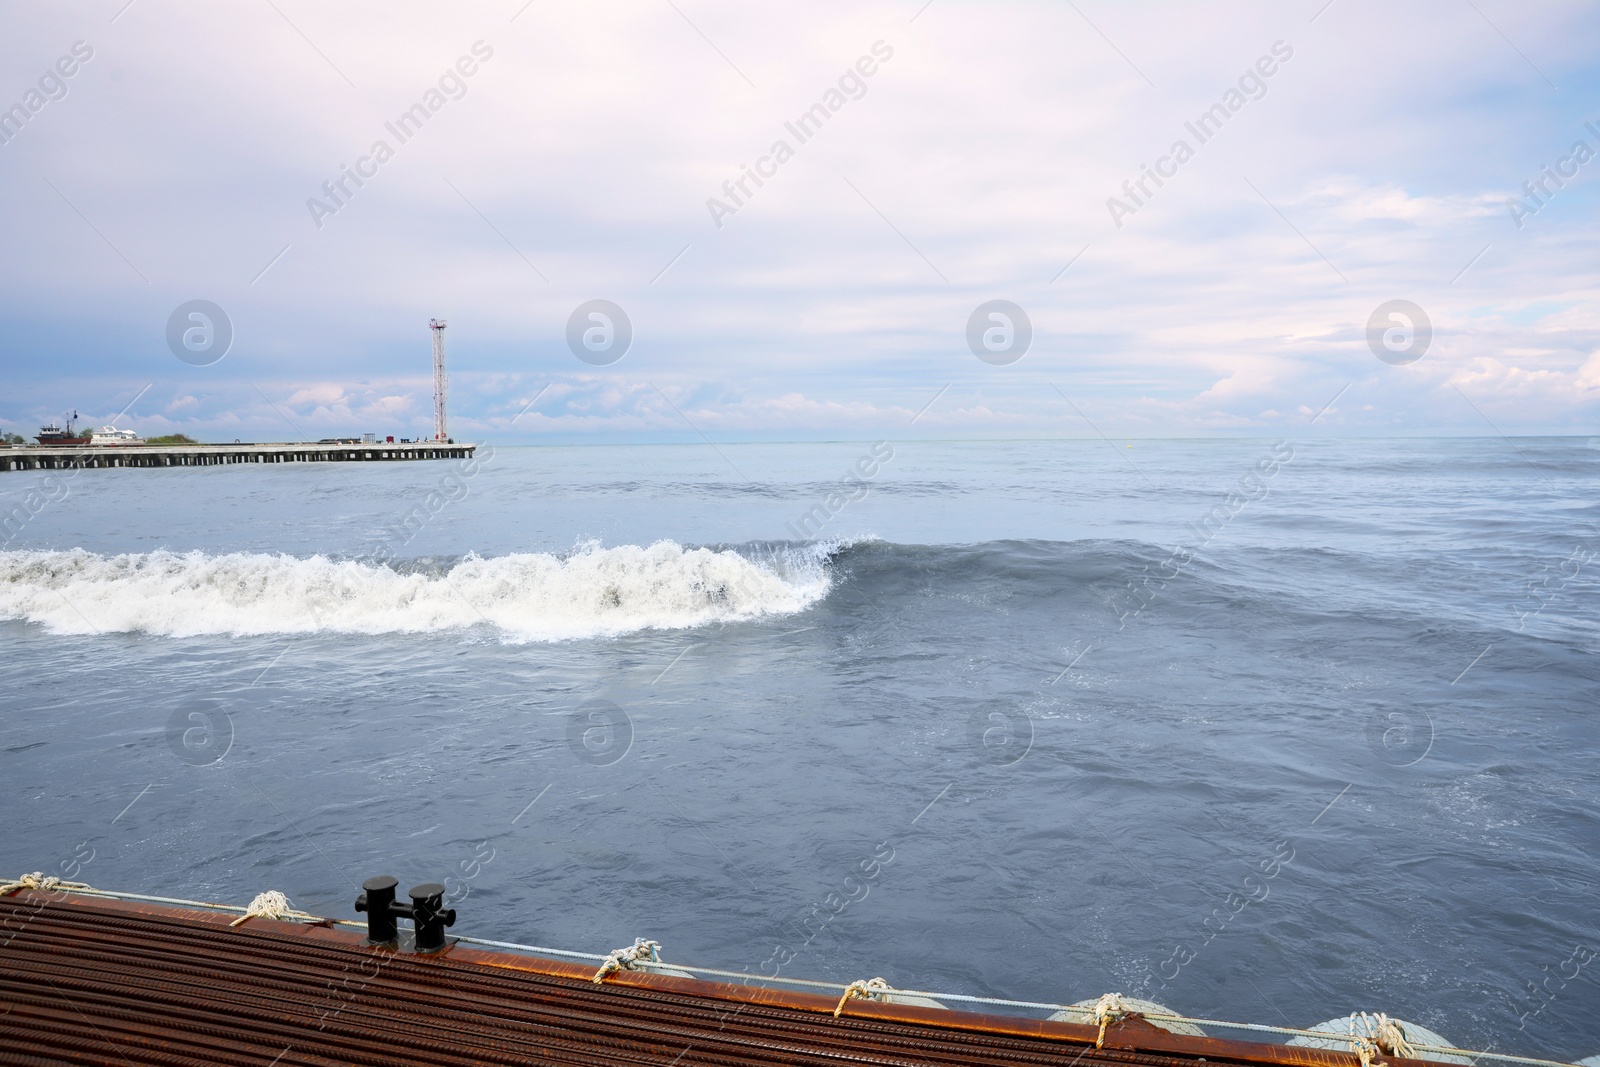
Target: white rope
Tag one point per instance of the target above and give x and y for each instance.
(870, 989)
(272, 905)
(1391, 1037)
(624, 959)
(1370, 1035)
(1107, 1010)
(536, 950)
(39, 880)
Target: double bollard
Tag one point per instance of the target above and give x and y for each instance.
(384, 913)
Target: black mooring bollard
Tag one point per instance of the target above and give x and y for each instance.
(377, 900)
(431, 916)
(384, 913)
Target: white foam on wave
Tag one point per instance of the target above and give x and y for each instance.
(594, 592)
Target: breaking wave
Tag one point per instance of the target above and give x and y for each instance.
(593, 592)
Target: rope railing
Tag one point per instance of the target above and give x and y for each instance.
(77, 889)
(240, 909)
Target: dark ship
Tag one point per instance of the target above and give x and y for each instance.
(51, 434)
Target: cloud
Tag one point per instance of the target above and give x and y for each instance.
(1352, 200)
(388, 407)
(578, 163)
(320, 395)
(1588, 377)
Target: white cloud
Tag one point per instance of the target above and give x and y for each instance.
(1353, 200)
(320, 395)
(976, 165)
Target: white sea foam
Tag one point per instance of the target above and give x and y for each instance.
(594, 592)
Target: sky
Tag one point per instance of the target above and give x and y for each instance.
(1357, 153)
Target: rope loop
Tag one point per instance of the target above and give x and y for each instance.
(39, 880)
(870, 989)
(272, 905)
(1109, 1009)
(1391, 1037)
(1377, 1034)
(625, 959)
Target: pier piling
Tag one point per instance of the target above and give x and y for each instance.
(57, 458)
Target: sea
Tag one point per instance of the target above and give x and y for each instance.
(1266, 730)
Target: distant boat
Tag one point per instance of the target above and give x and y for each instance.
(51, 434)
(110, 435)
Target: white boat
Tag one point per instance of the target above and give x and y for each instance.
(110, 435)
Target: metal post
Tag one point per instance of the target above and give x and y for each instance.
(439, 431)
(377, 900)
(430, 915)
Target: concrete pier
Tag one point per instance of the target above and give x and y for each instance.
(58, 458)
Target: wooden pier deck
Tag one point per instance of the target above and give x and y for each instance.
(79, 456)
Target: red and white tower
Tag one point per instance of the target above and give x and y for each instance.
(439, 432)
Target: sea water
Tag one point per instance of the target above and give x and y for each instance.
(1264, 730)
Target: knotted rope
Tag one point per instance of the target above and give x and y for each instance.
(869, 989)
(1363, 1047)
(1392, 1038)
(271, 905)
(1377, 1034)
(39, 880)
(623, 959)
(1109, 1009)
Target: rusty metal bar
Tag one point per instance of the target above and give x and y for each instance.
(92, 980)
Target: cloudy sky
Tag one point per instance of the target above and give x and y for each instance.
(186, 155)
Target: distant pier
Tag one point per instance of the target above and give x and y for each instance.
(59, 458)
